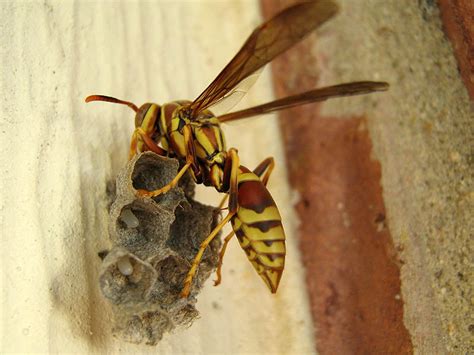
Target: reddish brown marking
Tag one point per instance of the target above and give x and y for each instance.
(168, 112)
(265, 226)
(244, 169)
(211, 136)
(268, 243)
(272, 257)
(270, 268)
(254, 196)
(141, 112)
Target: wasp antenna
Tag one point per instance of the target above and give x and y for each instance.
(111, 99)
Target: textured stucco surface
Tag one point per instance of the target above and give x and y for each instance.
(352, 273)
(423, 135)
(57, 155)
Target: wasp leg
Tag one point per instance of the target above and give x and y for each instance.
(221, 258)
(190, 161)
(197, 259)
(265, 168)
(221, 204)
(166, 188)
(151, 145)
(232, 211)
(221, 207)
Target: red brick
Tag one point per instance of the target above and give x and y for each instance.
(458, 22)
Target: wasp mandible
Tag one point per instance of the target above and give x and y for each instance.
(191, 133)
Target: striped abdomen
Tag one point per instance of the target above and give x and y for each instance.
(258, 227)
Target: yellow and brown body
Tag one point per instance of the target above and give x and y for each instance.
(257, 225)
(256, 220)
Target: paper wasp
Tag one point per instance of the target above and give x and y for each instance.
(190, 132)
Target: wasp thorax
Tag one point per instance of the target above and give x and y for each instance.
(183, 112)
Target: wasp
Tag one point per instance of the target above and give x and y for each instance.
(191, 133)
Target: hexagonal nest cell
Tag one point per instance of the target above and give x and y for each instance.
(154, 242)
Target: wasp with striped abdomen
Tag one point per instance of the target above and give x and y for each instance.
(191, 133)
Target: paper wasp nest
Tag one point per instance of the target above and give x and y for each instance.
(153, 244)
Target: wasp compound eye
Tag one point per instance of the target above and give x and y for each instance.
(141, 113)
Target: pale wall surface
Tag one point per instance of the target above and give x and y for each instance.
(57, 154)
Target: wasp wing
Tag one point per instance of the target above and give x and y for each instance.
(266, 42)
(348, 89)
(233, 97)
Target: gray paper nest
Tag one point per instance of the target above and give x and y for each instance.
(153, 244)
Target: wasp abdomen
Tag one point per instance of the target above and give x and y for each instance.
(258, 227)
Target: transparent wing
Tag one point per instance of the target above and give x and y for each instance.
(233, 97)
(266, 42)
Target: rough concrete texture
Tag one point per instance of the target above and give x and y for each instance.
(422, 132)
(154, 241)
